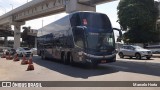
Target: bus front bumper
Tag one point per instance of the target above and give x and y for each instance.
(100, 59)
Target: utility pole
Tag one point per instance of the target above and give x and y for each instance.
(12, 6)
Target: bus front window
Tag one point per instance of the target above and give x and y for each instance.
(100, 41)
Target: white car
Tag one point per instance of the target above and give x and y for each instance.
(34, 51)
(134, 51)
(23, 51)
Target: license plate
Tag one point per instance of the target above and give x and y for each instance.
(103, 61)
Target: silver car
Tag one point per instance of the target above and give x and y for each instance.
(23, 51)
(134, 51)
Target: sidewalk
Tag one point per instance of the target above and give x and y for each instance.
(156, 55)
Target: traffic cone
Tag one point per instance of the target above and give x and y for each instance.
(24, 60)
(3, 56)
(10, 57)
(30, 61)
(16, 58)
(30, 66)
(7, 56)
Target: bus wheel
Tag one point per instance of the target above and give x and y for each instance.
(43, 56)
(71, 60)
(63, 58)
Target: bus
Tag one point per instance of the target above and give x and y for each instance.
(80, 37)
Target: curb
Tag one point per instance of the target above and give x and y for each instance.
(156, 56)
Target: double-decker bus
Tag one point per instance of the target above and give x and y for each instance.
(80, 37)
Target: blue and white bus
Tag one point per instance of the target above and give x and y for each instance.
(80, 37)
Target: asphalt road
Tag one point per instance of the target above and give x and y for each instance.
(47, 70)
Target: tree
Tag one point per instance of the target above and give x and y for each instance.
(138, 18)
(28, 39)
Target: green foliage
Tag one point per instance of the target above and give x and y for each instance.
(29, 40)
(138, 18)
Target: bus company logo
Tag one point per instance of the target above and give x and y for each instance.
(6, 84)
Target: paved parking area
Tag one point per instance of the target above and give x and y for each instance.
(123, 70)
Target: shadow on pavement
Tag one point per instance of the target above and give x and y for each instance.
(74, 71)
(80, 72)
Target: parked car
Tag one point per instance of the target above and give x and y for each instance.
(23, 50)
(154, 48)
(8, 50)
(134, 51)
(12, 51)
(34, 51)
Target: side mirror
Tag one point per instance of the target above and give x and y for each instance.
(119, 39)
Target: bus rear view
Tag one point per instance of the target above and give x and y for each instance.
(87, 37)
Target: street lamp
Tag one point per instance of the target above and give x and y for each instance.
(12, 6)
(42, 27)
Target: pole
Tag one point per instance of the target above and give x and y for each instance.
(42, 27)
(12, 6)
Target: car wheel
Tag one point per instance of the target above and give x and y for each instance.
(148, 58)
(138, 56)
(121, 55)
(130, 57)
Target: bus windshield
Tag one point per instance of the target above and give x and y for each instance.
(100, 41)
(94, 20)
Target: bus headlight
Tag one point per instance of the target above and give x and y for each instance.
(81, 56)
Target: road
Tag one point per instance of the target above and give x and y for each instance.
(47, 70)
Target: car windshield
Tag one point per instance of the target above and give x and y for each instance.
(100, 41)
(26, 48)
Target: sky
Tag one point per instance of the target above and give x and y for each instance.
(110, 9)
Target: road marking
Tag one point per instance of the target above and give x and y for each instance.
(121, 67)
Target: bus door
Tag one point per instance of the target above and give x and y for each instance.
(79, 41)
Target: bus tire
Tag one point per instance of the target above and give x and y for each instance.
(43, 57)
(63, 58)
(71, 62)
